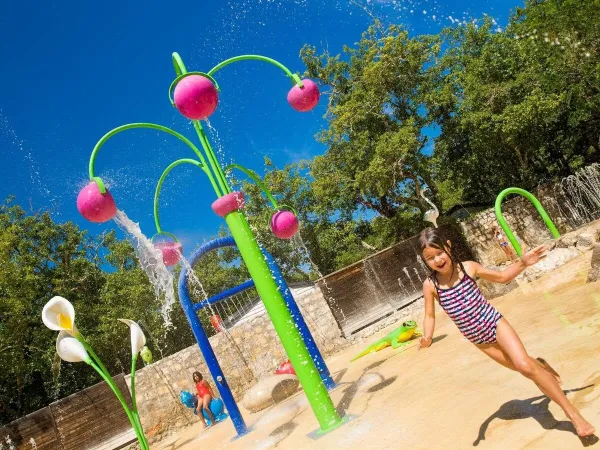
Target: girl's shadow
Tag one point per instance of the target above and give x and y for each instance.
(536, 408)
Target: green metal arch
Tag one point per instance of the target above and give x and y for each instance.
(254, 177)
(174, 164)
(540, 209)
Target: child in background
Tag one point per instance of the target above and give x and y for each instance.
(205, 395)
(503, 244)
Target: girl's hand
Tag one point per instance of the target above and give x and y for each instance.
(424, 342)
(532, 257)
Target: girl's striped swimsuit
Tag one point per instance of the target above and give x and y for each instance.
(476, 319)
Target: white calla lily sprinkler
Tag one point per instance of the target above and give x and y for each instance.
(59, 315)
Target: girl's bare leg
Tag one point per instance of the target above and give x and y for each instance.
(198, 411)
(495, 352)
(206, 405)
(510, 344)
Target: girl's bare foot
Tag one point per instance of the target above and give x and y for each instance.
(544, 364)
(582, 426)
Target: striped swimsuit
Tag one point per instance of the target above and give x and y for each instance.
(476, 319)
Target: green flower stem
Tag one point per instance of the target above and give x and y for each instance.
(178, 64)
(95, 357)
(254, 176)
(133, 400)
(280, 315)
(153, 126)
(161, 181)
(212, 159)
(101, 368)
(293, 77)
(136, 428)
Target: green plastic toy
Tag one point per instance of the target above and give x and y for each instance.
(397, 338)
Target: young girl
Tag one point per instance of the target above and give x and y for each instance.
(503, 244)
(452, 284)
(205, 395)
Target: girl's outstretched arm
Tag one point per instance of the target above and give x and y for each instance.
(429, 320)
(512, 271)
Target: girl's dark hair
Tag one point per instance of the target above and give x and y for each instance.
(199, 376)
(435, 237)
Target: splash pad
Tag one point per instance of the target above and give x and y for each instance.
(195, 95)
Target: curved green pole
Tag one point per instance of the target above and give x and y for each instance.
(159, 186)
(178, 64)
(293, 77)
(214, 163)
(540, 209)
(152, 126)
(254, 176)
(134, 411)
(97, 364)
(135, 423)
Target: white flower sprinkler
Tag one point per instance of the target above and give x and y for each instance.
(59, 315)
(432, 214)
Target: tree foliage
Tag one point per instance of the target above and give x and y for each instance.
(39, 259)
(526, 104)
(379, 115)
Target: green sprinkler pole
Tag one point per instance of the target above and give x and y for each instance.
(292, 342)
(540, 209)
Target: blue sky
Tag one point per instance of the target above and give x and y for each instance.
(74, 70)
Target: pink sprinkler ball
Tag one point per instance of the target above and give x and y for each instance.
(285, 368)
(95, 206)
(196, 97)
(305, 98)
(284, 224)
(171, 252)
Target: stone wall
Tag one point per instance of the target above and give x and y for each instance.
(246, 353)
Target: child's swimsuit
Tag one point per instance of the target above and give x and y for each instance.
(503, 243)
(202, 389)
(476, 319)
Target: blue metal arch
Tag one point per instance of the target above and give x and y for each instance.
(225, 294)
(190, 309)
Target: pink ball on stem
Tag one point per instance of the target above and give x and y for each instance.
(95, 206)
(171, 252)
(284, 224)
(196, 97)
(304, 98)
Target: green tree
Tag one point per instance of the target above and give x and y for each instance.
(326, 241)
(381, 113)
(100, 276)
(39, 259)
(526, 104)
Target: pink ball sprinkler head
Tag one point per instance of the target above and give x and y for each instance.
(304, 98)
(196, 97)
(284, 224)
(171, 252)
(95, 206)
(228, 203)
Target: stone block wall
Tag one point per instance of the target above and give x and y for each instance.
(246, 352)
